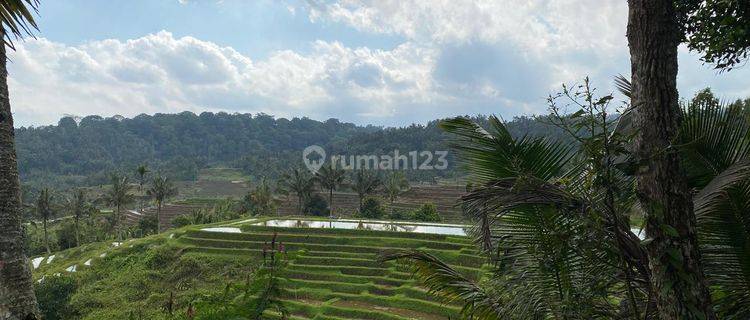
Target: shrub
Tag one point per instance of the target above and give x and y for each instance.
(316, 205)
(66, 235)
(181, 220)
(371, 208)
(199, 216)
(427, 212)
(53, 295)
(147, 225)
(398, 214)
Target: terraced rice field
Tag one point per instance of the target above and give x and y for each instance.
(335, 273)
(332, 273)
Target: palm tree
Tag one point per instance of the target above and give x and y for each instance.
(260, 200)
(365, 182)
(330, 178)
(17, 298)
(300, 182)
(118, 196)
(161, 189)
(141, 171)
(80, 206)
(45, 212)
(394, 185)
(561, 227)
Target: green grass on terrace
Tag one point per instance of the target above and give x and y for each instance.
(332, 274)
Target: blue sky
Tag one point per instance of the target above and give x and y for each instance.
(382, 62)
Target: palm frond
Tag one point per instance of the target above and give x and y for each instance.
(17, 19)
(712, 138)
(494, 153)
(623, 85)
(714, 144)
(502, 195)
(724, 234)
(449, 284)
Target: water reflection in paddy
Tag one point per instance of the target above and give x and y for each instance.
(454, 230)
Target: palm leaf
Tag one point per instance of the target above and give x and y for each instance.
(494, 153)
(17, 19)
(449, 284)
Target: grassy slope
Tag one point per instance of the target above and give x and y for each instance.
(333, 274)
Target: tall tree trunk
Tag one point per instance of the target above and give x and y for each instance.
(299, 205)
(46, 237)
(677, 278)
(330, 199)
(17, 300)
(117, 222)
(78, 240)
(158, 216)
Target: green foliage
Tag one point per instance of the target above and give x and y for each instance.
(371, 208)
(118, 196)
(395, 183)
(427, 212)
(398, 214)
(260, 200)
(147, 225)
(161, 189)
(17, 19)
(66, 235)
(718, 29)
(301, 183)
(54, 294)
(316, 205)
(250, 300)
(540, 216)
(199, 216)
(259, 144)
(364, 183)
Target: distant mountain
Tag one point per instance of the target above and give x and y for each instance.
(85, 151)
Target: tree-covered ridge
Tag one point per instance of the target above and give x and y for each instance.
(87, 151)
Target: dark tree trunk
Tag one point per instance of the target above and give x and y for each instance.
(330, 199)
(158, 216)
(17, 300)
(299, 205)
(677, 278)
(78, 240)
(46, 237)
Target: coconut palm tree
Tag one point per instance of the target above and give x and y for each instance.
(301, 183)
(17, 298)
(161, 189)
(45, 212)
(79, 205)
(561, 226)
(260, 200)
(118, 196)
(141, 172)
(364, 183)
(330, 178)
(394, 185)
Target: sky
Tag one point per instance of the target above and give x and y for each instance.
(381, 62)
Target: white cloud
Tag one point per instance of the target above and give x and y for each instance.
(161, 73)
(506, 46)
(537, 26)
(456, 57)
(511, 52)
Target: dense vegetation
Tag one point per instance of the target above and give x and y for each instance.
(75, 153)
(306, 273)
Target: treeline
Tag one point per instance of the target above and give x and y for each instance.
(86, 152)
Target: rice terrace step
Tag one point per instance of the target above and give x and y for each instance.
(335, 273)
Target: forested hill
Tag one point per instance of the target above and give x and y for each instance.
(85, 152)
